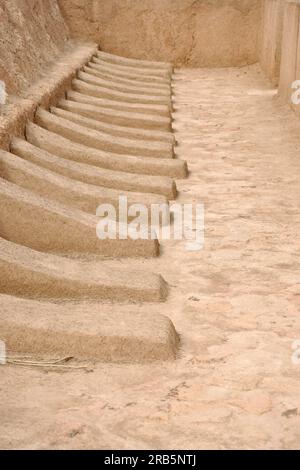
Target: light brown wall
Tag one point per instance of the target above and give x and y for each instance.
(290, 62)
(189, 32)
(32, 32)
(271, 38)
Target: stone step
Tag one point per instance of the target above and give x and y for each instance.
(48, 226)
(128, 74)
(109, 143)
(67, 191)
(110, 137)
(85, 332)
(30, 274)
(112, 179)
(117, 79)
(65, 148)
(106, 93)
(92, 112)
(125, 115)
(139, 63)
(124, 88)
(112, 100)
(141, 71)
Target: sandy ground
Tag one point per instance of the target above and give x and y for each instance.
(235, 304)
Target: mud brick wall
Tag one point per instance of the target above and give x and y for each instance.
(187, 32)
(32, 33)
(271, 38)
(290, 62)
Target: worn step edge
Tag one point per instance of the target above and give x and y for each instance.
(124, 88)
(65, 148)
(122, 180)
(84, 332)
(86, 132)
(45, 91)
(144, 79)
(46, 225)
(96, 118)
(39, 150)
(137, 70)
(31, 274)
(118, 80)
(127, 98)
(116, 59)
(129, 115)
(69, 192)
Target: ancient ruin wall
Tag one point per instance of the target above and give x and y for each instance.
(290, 62)
(37, 61)
(271, 38)
(188, 32)
(32, 32)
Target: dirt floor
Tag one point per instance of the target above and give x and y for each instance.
(235, 304)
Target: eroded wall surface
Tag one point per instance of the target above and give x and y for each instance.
(32, 32)
(187, 32)
(290, 62)
(271, 38)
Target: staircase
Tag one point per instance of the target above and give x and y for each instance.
(110, 135)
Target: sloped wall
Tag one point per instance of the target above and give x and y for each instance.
(186, 32)
(32, 32)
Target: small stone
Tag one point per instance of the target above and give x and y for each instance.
(289, 413)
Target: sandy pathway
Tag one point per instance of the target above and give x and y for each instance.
(235, 304)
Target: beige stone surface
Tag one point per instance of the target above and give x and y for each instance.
(289, 58)
(48, 246)
(93, 112)
(34, 275)
(100, 138)
(30, 173)
(90, 159)
(136, 116)
(121, 97)
(46, 91)
(114, 100)
(138, 71)
(116, 78)
(110, 178)
(235, 304)
(32, 34)
(129, 74)
(94, 80)
(271, 40)
(119, 60)
(49, 226)
(84, 331)
(178, 31)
